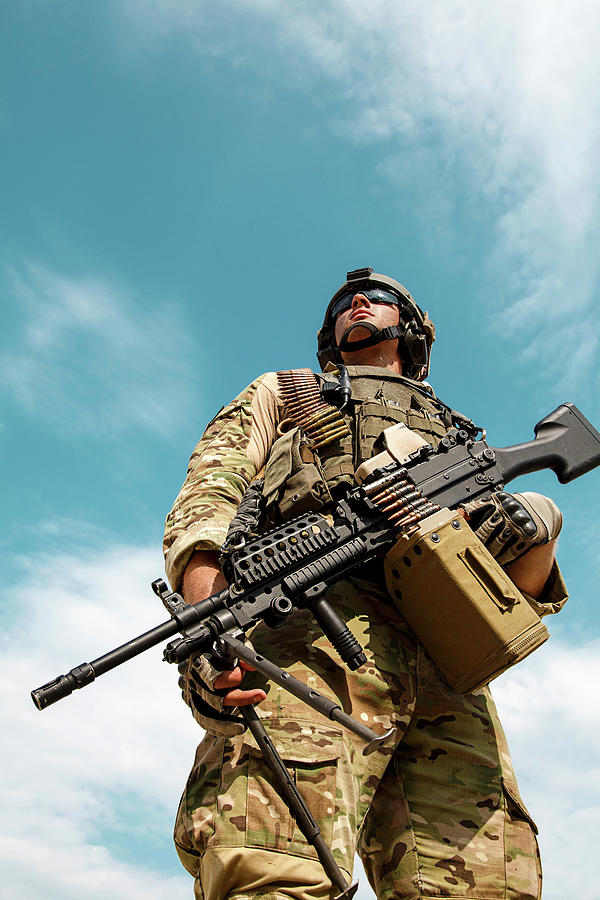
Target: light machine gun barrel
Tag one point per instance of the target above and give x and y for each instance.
(292, 566)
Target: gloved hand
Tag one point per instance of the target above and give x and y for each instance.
(510, 524)
(196, 678)
(214, 707)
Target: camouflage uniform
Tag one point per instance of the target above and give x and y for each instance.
(437, 815)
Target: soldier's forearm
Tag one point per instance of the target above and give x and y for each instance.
(202, 577)
(530, 573)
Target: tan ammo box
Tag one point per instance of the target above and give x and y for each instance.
(461, 605)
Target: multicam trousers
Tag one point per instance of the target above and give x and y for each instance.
(437, 815)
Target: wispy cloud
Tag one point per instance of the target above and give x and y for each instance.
(96, 777)
(89, 357)
(498, 99)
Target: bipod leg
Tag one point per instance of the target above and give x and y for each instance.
(295, 803)
(322, 704)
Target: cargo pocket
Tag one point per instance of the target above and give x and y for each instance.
(293, 486)
(521, 851)
(311, 754)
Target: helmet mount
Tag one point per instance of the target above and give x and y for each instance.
(415, 331)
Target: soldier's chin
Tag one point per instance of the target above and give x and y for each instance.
(358, 334)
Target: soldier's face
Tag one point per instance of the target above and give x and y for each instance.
(362, 309)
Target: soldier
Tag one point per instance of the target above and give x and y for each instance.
(437, 814)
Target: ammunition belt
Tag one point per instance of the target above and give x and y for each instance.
(321, 423)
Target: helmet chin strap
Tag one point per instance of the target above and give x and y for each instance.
(377, 336)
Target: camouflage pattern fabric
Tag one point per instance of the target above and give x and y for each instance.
(438, 815)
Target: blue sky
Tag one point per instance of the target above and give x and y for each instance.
(184, 186)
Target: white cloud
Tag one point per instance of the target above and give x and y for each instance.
(95, 778)
(90, 359)
(103, 768)
(498, 99)
(550, 710)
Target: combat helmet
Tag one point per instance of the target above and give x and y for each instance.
(415, 331)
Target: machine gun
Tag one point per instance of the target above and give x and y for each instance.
(292, 566)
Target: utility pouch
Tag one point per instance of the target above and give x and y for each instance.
(462, 606)
(294, 480)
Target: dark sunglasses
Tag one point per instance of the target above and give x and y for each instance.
(375, 295)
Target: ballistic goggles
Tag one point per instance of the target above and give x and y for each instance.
(374, 295)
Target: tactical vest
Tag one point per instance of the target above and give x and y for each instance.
(300, 479)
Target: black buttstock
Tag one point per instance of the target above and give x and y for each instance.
(565, 442)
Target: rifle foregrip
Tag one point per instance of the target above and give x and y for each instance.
(350, 651)
(338, 633)
(63, 685)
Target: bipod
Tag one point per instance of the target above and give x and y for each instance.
(295, 803)
(229, 647)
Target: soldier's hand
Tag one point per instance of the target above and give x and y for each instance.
(229, 681)
(511, 524)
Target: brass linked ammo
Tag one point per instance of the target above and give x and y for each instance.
(426, 507)
(403, 488)
(323, 417)
(331, 437)
(399, 502)
(320, 422)
(304, 407)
